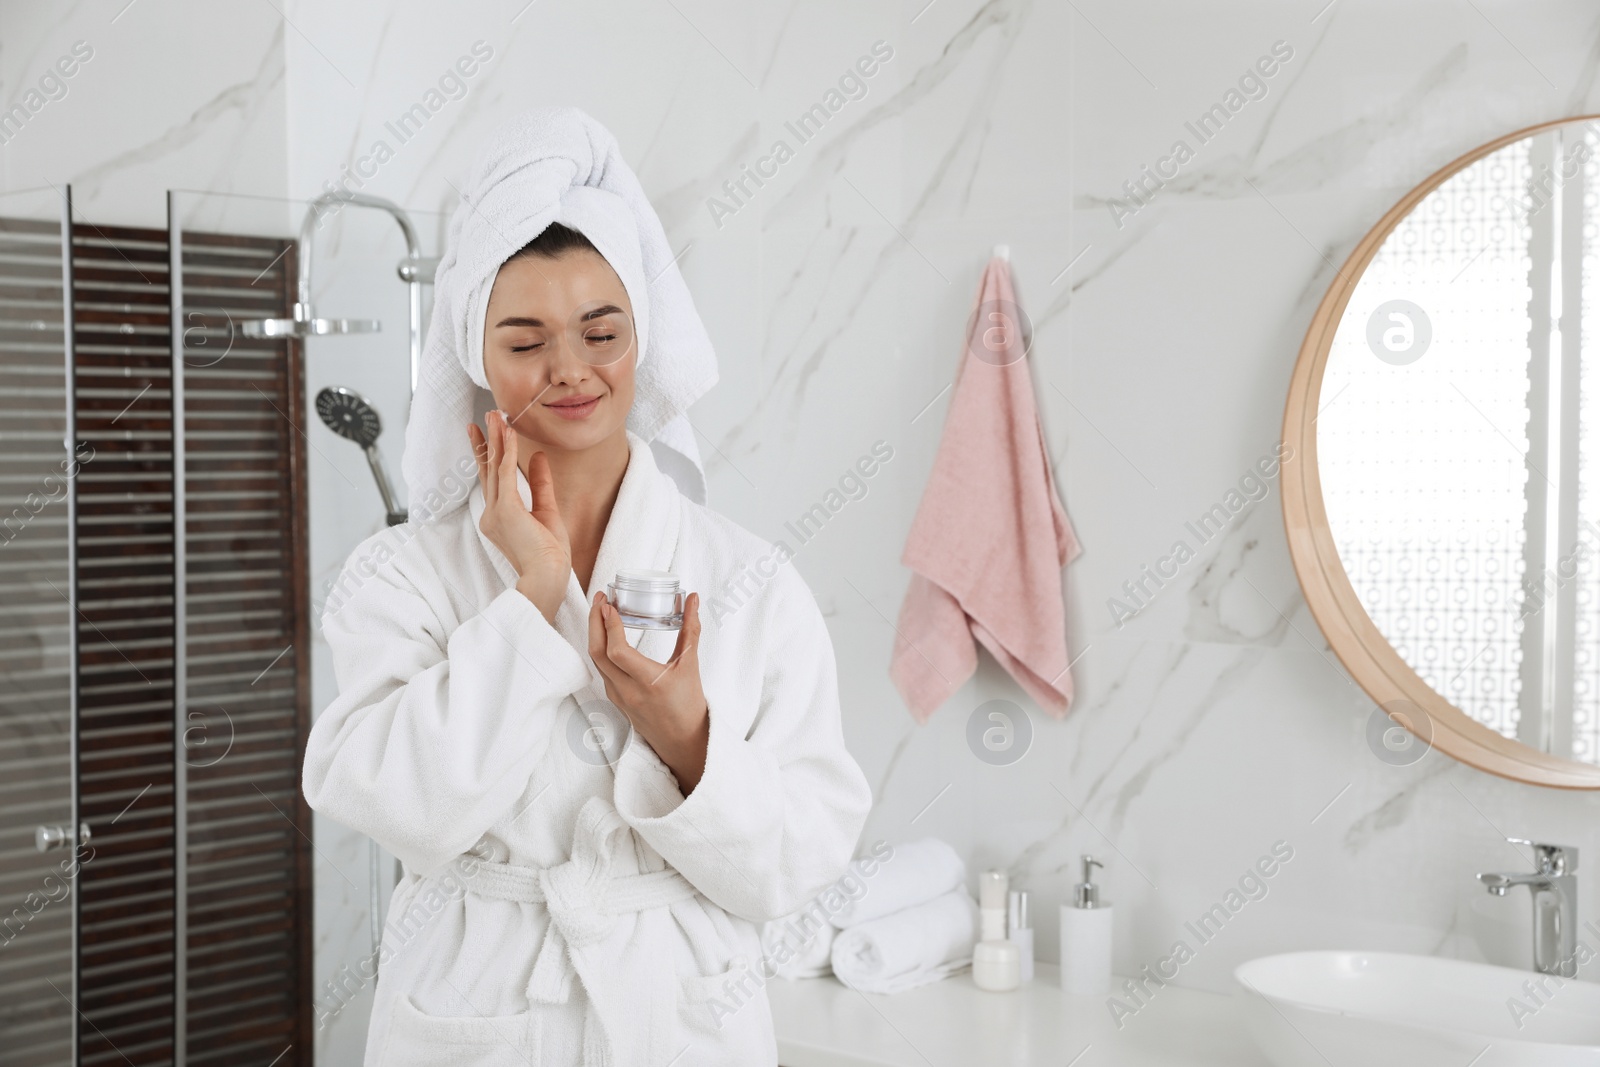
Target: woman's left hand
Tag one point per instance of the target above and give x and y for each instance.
(663, 701)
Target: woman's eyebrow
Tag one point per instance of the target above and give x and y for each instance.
(519, 320)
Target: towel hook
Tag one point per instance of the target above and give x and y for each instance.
(1003, 251)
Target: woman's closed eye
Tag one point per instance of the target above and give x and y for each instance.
(608, 331)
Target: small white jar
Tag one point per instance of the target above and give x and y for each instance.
(647, 600)
(996, 966)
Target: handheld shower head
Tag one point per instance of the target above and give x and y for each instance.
(349, 415)
(352, 416)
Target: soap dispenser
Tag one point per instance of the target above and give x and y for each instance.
(1086, 937)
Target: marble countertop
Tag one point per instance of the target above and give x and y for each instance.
(821, 1023)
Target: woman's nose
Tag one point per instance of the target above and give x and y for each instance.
(567, 362)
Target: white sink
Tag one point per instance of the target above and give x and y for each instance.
(1382, 1009)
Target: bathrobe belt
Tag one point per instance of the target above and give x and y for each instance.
(583, 898)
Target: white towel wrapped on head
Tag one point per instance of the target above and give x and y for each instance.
(553, 164)
(909, 948)
(917, 872)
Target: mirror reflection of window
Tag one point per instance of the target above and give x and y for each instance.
(1456, 424)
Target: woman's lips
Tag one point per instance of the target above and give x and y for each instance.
(575, 411)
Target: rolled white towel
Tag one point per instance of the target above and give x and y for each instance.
(917, 872)
(909, 948)
(799, 945)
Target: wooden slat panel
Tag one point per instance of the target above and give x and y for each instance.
(249, 885)
(125, 561)
(249, 827)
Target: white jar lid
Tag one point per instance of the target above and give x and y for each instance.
(999, 951)
(647, 579)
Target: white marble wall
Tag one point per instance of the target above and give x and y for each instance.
(186, 95)
(1208, 728)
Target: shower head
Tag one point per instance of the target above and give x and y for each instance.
(349, 415)
(352, 416)
(306, 324)
(308, 328)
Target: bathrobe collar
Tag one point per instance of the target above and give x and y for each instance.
(642, 533)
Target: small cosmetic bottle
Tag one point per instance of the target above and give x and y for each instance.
(1086, 937)
(1019, 931)
(996, 961)
(647, 600)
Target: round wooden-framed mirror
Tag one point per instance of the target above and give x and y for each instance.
(1441, 487)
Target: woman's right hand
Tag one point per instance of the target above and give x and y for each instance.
(535, 541)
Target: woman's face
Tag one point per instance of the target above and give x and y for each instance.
(559, 349)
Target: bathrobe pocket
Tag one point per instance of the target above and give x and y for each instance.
(468, 1041)
(710, 1004)
(722, 1015)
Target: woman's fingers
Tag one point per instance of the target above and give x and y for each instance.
(633, 666)
(480, 451)
(597, 634)
(598, 640)
(622, 655)
(542, 489)
(608, 642)
(491, 460)
(689, 633)
(506, 471)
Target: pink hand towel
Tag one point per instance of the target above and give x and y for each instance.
(990, 537)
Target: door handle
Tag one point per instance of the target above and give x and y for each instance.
(46, 838)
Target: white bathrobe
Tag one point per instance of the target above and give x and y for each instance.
(458, 743)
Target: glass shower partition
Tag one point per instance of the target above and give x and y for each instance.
(40, 855)
(241, 711)
(253, 382)
(161, 465)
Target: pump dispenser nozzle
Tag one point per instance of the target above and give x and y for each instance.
(1086, 893)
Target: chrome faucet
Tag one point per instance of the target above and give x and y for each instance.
(1555, 905)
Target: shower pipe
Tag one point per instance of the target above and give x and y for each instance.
(415, 270)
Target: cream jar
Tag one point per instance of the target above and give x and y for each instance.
(996, 966)
(647, 600)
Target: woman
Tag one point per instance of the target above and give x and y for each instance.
(593, 821)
